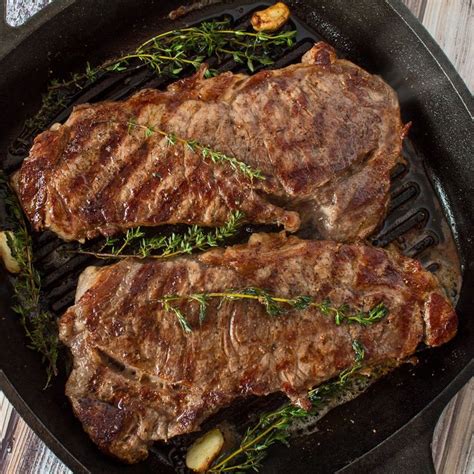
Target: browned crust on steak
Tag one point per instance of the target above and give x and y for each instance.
(324, 132)
(134, 366)
(440, 323)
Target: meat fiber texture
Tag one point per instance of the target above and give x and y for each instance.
(138, 377)
(325, 134)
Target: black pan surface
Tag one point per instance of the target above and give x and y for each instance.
(392, 423)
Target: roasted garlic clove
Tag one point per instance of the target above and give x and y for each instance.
(272, 18)
(204, 450)
(6, 255)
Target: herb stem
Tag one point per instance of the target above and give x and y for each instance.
(182, 33)
(169, 246)
(107, 256)
(205, 151)
(153, 57)
(233, 33)
(38, 323)
(275, 305)
(237, 296)
(244, 447)
(123, 246)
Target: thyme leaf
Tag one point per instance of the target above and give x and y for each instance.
(277, 305)
(136, 245)
(38, 323)
(273, 427)
(183, 322)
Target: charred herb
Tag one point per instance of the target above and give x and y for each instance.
(136, 245)
(39, 324)
(277, 306)
(273, 427)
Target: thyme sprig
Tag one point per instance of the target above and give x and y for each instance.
(206, 152)
(168, 54)
(39, 324)
(277, 305)
(136, 245)
(273, 427)
(172, 51)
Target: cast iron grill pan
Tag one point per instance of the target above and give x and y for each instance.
(415, 224)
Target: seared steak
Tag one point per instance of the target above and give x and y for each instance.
(138, 377)
(324, 133)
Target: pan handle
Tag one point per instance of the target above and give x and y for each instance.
(12, 36)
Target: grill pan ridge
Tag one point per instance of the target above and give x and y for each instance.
(416, 223)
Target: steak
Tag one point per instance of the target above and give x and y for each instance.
(138, 377)
(324, 133)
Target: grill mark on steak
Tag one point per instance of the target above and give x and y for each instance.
(169, 193)
(124, 173)
(308, 128)
(132, 359)
(106, 157)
